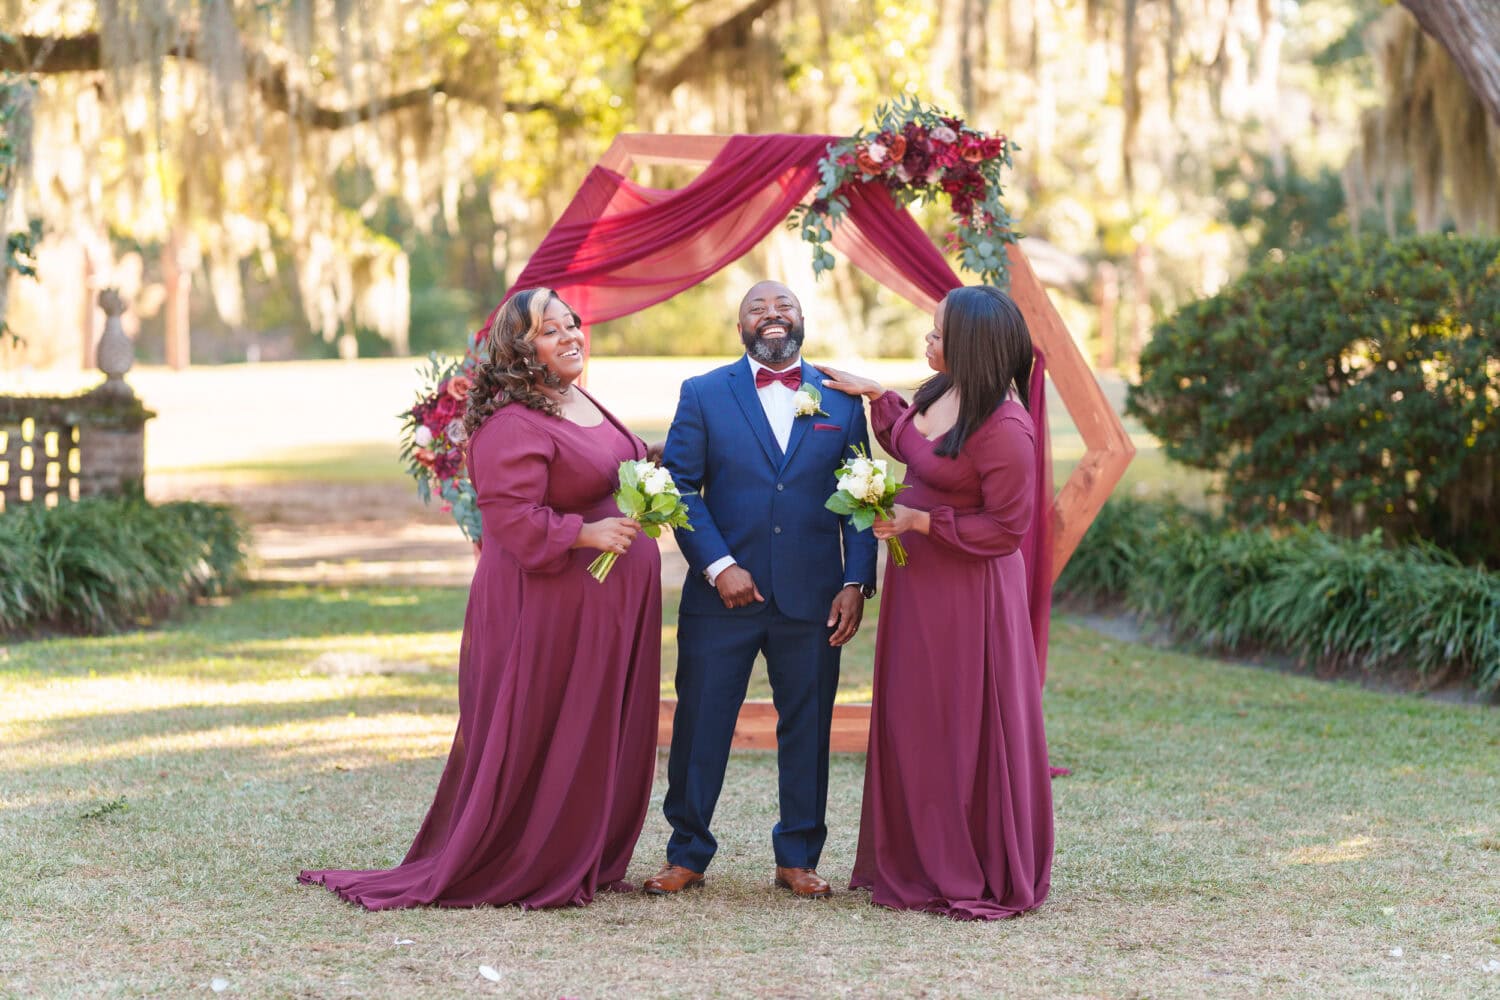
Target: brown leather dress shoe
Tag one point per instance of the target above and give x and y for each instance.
(672, 879)
(805, 883)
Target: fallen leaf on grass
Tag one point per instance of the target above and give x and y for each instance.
(489, 973)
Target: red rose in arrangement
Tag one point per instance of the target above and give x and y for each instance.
(918, 159)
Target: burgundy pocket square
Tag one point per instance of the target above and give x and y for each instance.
(827, 427)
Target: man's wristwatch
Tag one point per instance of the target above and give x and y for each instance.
(866, 590)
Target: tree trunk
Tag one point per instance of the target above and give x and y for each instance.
(1470, 31)
(178, 279)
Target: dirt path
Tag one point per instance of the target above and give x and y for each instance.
(338, 534)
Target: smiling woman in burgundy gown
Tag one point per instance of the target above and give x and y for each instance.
(957, 815)
(547, 784)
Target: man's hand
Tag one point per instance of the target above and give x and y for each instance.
(737, 587)
(654, 451)
(847, 612)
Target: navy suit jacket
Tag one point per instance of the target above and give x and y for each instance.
(761, 506)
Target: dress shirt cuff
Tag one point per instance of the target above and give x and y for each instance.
(716, 567)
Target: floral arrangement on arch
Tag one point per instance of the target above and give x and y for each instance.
(433, 439)
(920, 153)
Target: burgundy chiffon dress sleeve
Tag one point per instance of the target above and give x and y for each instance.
(957, 812)
(547, 785)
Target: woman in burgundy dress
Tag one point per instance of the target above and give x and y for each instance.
(957, 815)
(548, 781)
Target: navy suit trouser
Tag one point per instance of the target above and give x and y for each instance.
(715, 656)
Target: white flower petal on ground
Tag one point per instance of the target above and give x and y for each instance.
(489, 973)
(404, 941)
(1493, 965)
(1396, 953)
(218, 984)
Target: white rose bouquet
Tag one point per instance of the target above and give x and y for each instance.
(648, 495)
(866, 491)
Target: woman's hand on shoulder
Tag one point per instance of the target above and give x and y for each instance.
(612, 534)
(853, 385)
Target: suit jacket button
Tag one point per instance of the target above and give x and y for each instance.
(780, 487)
(777, 529)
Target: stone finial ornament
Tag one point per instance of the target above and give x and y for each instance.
(116, 352)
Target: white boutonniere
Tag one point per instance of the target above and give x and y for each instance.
(808, 402)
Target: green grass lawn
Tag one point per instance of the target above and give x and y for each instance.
(1227, 831)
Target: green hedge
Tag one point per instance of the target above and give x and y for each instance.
(1355, 386)
(101, 565)
(1321, 598)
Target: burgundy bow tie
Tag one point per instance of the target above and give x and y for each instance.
(791, 378)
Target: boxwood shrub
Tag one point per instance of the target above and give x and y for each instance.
(1355, 386)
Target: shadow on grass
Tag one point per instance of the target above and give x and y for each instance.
(255, 627)
(96, 732)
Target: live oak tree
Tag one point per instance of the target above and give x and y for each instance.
(248, 139)
(1437, 130)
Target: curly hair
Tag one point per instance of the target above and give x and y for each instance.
(508, 371)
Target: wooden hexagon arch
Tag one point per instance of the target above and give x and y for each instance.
(1108, 449)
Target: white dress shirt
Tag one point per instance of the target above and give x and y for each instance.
(776, 400)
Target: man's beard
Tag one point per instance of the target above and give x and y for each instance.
(775, 352)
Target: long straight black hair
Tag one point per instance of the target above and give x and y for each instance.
(987, 350)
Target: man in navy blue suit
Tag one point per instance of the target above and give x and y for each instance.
(770, 570)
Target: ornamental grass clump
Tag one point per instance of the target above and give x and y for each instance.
(100, 565)
(1337, 603)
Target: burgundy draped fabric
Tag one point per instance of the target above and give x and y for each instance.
(621, 247)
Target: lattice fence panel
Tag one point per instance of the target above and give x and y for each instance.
(39, 462)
